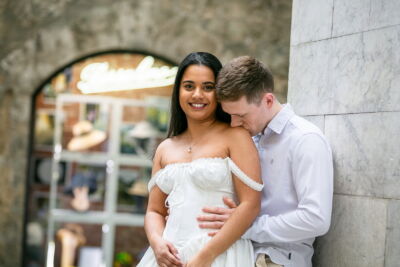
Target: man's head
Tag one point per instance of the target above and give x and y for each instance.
(245, 89)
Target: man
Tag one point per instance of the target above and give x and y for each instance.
(296, 165)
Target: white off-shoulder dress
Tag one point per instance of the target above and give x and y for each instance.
(190, 187)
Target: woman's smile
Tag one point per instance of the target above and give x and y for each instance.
(197, 93)
(198, 106)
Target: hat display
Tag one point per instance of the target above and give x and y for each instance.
(144, 129)
(81, 179)
(139, 188)
(85, 136)
(44, 130)
(71, 237)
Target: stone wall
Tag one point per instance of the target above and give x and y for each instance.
(345, 76)
(40, 36)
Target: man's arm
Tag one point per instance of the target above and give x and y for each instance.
(313, 178)
(312, 169)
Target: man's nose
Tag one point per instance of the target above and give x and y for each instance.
(235, 121)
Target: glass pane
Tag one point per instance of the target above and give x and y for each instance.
(132, 189)
(136, 132)
(83, 188)
(85, 127)
(130, 245)
(78, 245)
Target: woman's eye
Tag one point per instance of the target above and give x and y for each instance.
(188, 86)
(209, 87)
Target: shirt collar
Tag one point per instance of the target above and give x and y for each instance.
(279, 121)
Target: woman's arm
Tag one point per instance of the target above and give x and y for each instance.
(244, 154)
(154, 223)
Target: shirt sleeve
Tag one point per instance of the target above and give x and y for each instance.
(312, 169)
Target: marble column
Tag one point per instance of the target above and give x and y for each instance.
(345, 77)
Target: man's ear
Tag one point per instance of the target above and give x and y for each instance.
(268, 100)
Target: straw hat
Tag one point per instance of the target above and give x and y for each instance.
(85, 136)
(143, 129)
(139, 188)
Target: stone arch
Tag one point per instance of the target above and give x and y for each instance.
(113, 51)
(16, 104)
(52, 34)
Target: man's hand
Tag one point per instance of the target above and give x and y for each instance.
(216, 216)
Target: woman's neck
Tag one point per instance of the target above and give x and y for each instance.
(197, 129)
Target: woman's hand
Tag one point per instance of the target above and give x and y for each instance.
(166, 254)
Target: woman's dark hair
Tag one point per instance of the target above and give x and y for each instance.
(178, 121)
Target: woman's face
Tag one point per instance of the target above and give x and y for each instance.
(197, 93)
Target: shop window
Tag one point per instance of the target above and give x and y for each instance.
(96, 125)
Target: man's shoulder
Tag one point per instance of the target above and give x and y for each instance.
(299, 130)
(300, 126)
(304, 134)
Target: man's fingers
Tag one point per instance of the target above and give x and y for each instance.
(215, 217)
(212, 218)
(212, 234)
(216, 210)
(211, 225)
(229, 202)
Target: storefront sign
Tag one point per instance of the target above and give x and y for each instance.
(99, 78)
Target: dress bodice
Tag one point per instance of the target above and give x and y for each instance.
(192, 186)
(205, 173)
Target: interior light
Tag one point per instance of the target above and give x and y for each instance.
(100, 78)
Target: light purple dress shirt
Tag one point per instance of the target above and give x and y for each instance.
(297, 171)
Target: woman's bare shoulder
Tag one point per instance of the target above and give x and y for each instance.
(162, 151)
(236, 133)
(168, 143)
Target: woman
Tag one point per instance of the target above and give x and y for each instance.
(193, 169)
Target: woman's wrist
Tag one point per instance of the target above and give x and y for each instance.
(154, 240)
(207, 255)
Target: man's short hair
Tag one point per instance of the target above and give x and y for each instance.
(244, 76)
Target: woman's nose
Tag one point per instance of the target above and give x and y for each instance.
(198, 92)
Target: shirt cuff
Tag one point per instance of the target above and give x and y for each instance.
(249, 232)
